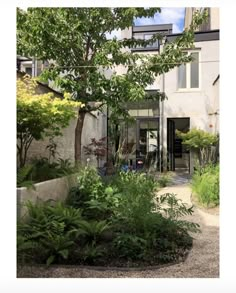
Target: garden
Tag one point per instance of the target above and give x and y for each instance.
(112, 221)
(115, 220)
(205, 181)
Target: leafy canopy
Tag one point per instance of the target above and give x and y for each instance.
(84, 60)
(198, 138)
(41, 115)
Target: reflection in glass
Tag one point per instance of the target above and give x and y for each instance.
(195, 71)
(147, 150)
(182, 76)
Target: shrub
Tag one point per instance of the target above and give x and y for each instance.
(42, 169)
(164, 180)
(136, 193)
(92, 230)
(23, 176)
(49, 232)
(88, 193)
(203, 143)
(205, 183)
(129, 246)
(91, 253)
(39, 115)
(122, 222)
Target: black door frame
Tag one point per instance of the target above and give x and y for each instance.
(170, 144)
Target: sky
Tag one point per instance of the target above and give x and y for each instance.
(167, 15)
(170, 15)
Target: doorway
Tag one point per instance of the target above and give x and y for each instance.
(147, 143)
(178, 157)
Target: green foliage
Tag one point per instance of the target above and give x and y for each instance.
(23, 177)
(201, 142)
(71, 36)
(173, 209)
(121, 220)
(205, 184)
(49, 232)
(41, 169)
(39, 115)
(197, 138)
(44, 170)
(89, 187)
(90, 182)
(147, 224)
(164, 180)
(91, 253)
(135, 192)
(93, 230)
(129, 246)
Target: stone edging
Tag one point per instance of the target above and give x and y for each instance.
(102, 268)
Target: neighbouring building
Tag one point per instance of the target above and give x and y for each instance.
(212, 23)
(95, 124)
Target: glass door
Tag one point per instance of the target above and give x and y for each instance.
(147, 144)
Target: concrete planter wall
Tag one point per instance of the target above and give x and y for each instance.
(56, 189)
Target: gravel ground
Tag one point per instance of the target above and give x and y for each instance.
(202, 261)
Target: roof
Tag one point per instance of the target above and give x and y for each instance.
(42, 87)
(152, 28)
(199, 36)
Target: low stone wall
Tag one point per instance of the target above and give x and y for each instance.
(56, 189)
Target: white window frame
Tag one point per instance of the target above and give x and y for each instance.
(188, 74)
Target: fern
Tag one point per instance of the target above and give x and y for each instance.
(93, 229)
(23, 175)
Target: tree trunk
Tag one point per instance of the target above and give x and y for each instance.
(20, 157)
(78, 136)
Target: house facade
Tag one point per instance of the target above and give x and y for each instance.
(192, 92)
(138, 141)
(149, 140)
(193, 98)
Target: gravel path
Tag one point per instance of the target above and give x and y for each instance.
(202, 261)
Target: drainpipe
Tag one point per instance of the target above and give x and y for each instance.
(161, 154)
(162, 121)
(33, 67)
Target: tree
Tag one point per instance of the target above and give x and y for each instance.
(201, 142)
(39, 115)
(76, 40)
(97, 148)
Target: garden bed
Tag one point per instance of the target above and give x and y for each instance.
(120, 223)
(55, 189)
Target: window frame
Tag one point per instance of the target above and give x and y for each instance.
(188, 74)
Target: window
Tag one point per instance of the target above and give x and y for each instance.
(148, 37)
(188, 75)
(28, 70)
